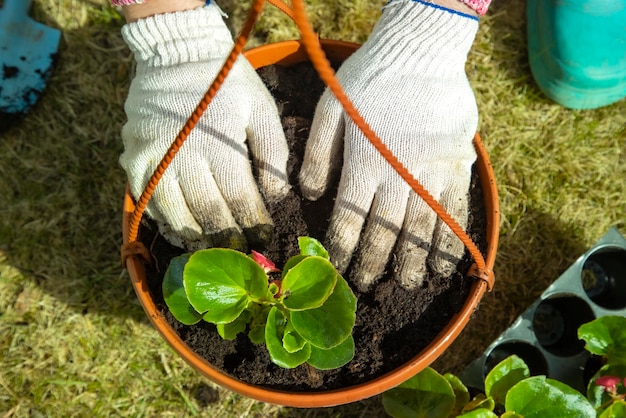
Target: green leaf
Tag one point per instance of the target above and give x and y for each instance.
(330, 324)
(291, 263)
(511, 415)
(229, 331)
(311, 246)
(174, 292)
(273, 289)
(221, 282)
(504, 376)
(426, 395)
(615, 410)
(274, 331)
(257, 334)
(292, 341)
(480, 413)
(460, 392)
(606, 336)
(539, 397)
(308, 284)
(333, 358)
(257, 324)
(596, 394)
(480, 401)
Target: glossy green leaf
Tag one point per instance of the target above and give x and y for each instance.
(257, 334)
(606, 336)
(274, 332)
(273, 289)
(221, 282)
(311, 246)
(480, 401)
(291, 263)
(504, 376)
(615, 410)
(292, 341)
(257, 324)
(460, 392)
(174, 292)
(596, 394)
(479, 413)
(330, 324)
(539, 397)
(511, 415)
(334, 358)
(308, 284)
(229, 331)
(426, 395)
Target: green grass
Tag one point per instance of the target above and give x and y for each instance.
(74, 341)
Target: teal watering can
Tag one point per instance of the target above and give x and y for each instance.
(577, 50)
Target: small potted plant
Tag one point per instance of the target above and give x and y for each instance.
(305, 315)
(268, 295)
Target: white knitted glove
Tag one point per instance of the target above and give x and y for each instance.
(408, 81)
(208, 196)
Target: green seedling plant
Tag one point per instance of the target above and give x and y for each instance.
(304, 314)
(510, 391)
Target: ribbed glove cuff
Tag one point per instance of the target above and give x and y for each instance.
(480, 6)
(430, 39)
(181, 37)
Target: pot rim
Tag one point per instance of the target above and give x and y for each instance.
(289, 53)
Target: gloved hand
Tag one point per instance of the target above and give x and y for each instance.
(408, 81)
(208, 196)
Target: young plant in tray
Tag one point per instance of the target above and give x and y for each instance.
(511, 392)
(305, 314)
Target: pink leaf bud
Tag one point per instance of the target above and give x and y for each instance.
(609, 382)
(267, 264)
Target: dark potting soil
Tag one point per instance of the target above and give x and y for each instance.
(393, 324)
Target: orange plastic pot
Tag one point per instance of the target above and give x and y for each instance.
(289, 53)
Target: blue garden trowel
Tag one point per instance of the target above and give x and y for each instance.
(27, 53)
